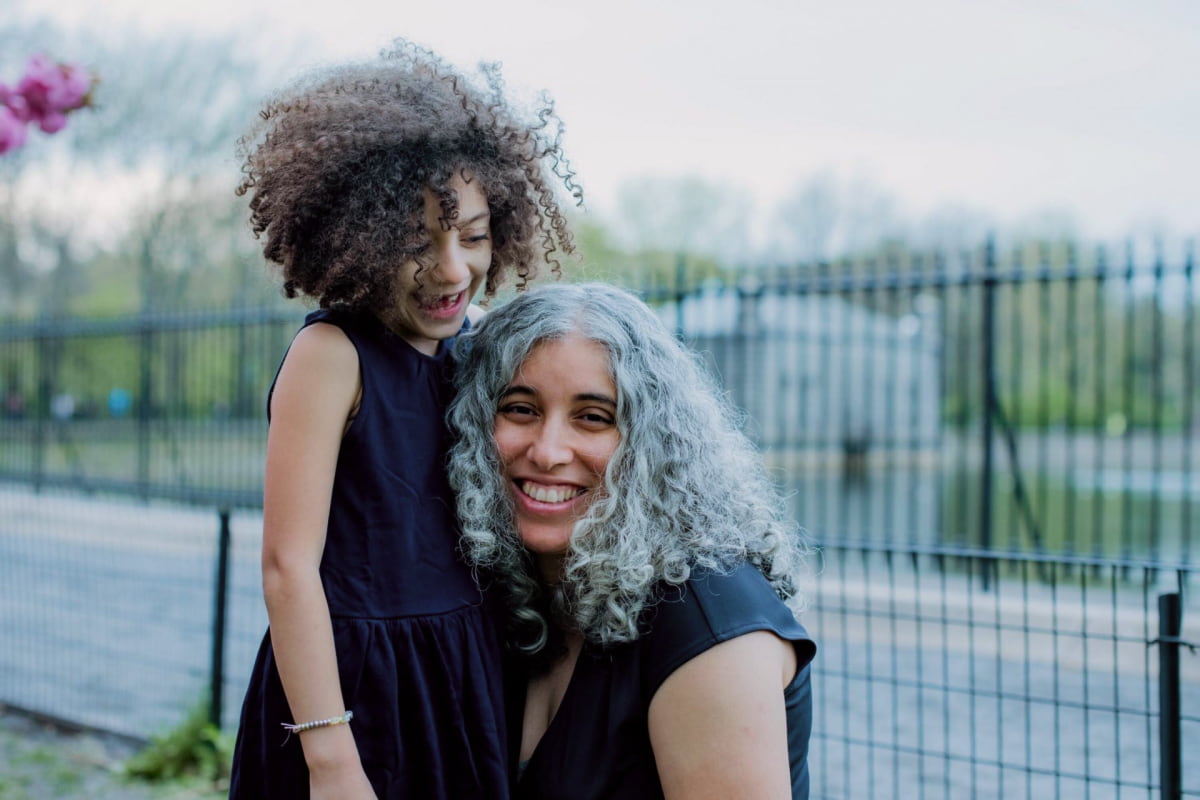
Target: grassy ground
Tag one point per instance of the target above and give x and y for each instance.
(42, 762)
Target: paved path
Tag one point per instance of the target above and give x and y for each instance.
(106, 609)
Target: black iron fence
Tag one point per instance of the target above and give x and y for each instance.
(949, 673)
(153, 406)
(1022, 404)
(1006, 439)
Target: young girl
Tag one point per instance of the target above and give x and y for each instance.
(391, 192)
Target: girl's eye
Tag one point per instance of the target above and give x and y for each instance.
(473, 240)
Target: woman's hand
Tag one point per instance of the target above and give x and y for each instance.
(718, 725)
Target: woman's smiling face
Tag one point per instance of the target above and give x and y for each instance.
(556, 429)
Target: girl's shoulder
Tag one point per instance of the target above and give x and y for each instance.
(319, 343)
(319, 372)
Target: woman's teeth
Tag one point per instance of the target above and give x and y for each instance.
(550, 494)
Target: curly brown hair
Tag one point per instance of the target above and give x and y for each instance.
(337, 166)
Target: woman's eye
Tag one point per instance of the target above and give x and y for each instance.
(474, 240)
(596, 418)
(517, 409)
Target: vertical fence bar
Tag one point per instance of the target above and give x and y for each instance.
(1158, 400)
(1045, 411)
(1189, 401)
(1170, 619)
(144, 406)
(990, 398)
(1128, 348)
(41, 405)
(680, 292)
(1099, 424)
(1070, 340)
(218, 631)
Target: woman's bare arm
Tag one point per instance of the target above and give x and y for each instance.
(718, 725)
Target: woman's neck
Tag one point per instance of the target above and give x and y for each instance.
(550, 567)
(546, 691)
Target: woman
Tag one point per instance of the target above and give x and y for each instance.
(645, 556)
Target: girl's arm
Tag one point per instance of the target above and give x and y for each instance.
(718, 725)
(316, 391)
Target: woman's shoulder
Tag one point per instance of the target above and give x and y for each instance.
(721, 603)
(711, 607)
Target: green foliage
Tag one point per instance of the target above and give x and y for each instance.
(196, 748)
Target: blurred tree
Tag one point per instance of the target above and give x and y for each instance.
(167, 120)
(806, 221)
(686, 214)
(192, 248)
(820, 220)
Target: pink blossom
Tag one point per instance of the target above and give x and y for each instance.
(48, 91)
(12, 130)
(52, 121)
(75, 86)
(15, 102)
(44, 95)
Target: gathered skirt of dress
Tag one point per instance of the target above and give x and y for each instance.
(427, 723)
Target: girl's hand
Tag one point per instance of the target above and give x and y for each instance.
(335, 771)
(349, 783)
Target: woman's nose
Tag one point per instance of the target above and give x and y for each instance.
(550, 447)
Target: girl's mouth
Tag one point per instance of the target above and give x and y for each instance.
(442, 306)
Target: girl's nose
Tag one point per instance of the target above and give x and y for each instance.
(451, 268)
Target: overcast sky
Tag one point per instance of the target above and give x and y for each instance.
(1015, 108)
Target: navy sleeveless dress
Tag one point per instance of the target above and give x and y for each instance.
(418, 645)
(597, 746)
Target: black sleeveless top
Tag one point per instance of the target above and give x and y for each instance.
(597, 747)
(418, 648)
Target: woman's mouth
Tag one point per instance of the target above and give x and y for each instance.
(546, 493)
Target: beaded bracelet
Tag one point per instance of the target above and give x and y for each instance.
(341, 719)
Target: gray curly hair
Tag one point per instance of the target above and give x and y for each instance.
(684, 488)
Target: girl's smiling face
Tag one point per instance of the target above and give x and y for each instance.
(555, 430)
(432, 297)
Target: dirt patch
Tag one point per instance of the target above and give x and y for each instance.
(43, 761)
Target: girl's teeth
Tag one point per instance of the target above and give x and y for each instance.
(443, 301)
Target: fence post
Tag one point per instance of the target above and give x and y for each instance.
(680, 291)
(1170, 619)
(988, 389)
(218, 632)
(145, 405)
(41, 405)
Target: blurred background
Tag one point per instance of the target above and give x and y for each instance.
(941, 254)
